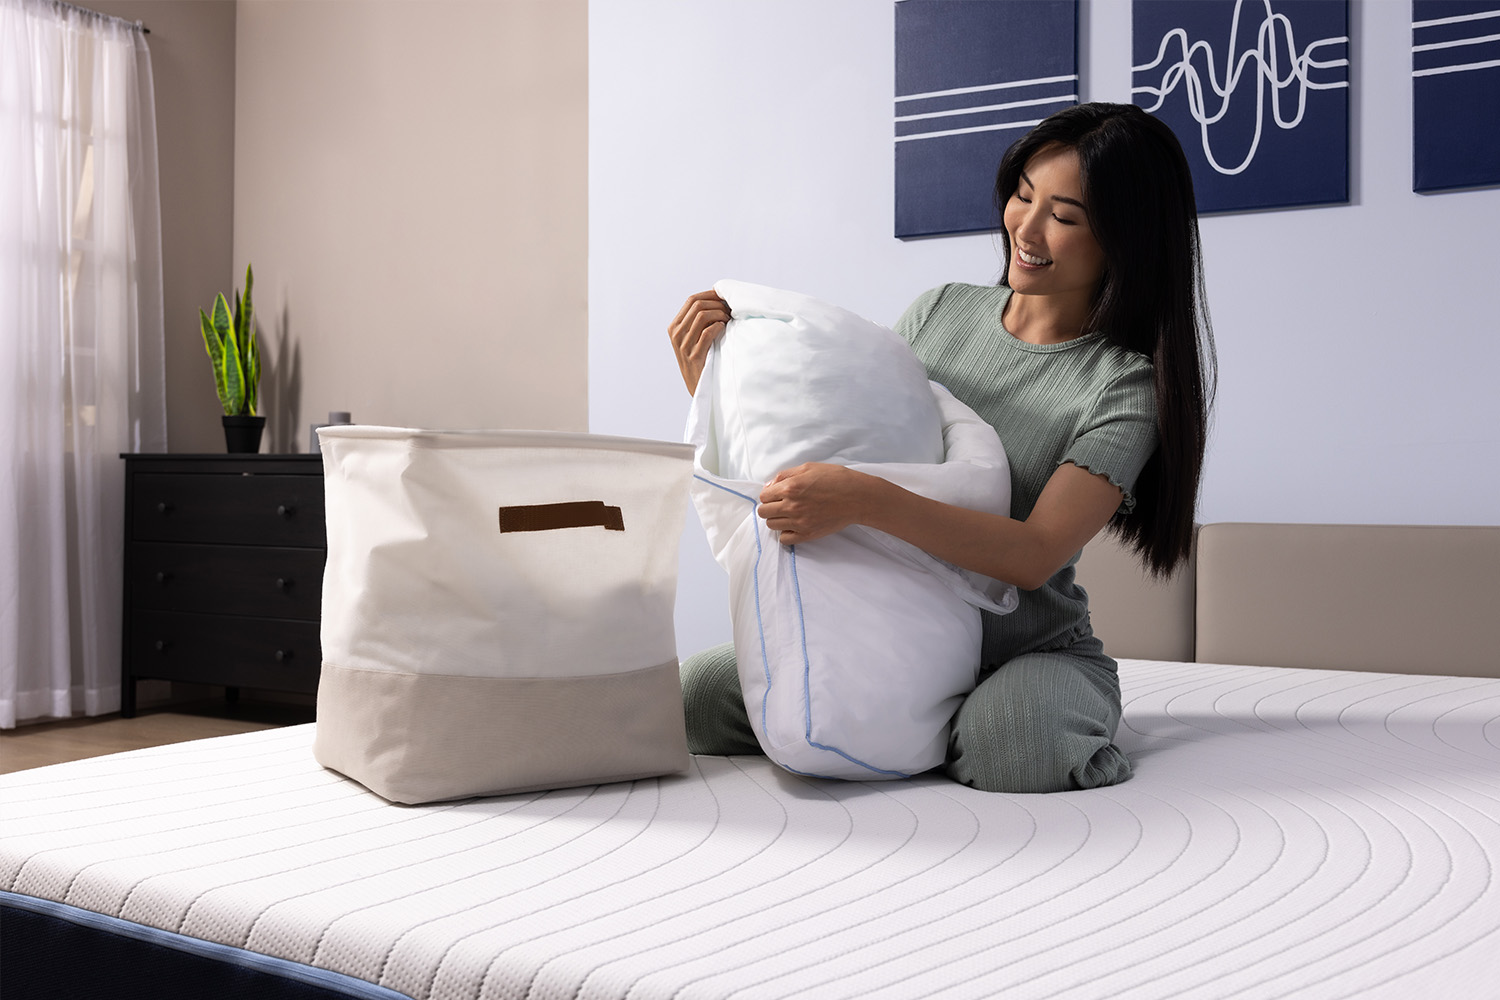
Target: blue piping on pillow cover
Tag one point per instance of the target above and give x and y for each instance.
(765, 660)
(807, 682)
(760, 628)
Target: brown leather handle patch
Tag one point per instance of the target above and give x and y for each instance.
(549, 516)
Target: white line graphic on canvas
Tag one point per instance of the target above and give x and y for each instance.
(1483, 15)
(1266, 70)
(985, 89)
(987, 107)
(1454, 43)
(1011, 85)
(1464, 68)
(966, 131)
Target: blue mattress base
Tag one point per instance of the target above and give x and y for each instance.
(52, 951)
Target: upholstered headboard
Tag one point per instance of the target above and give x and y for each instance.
(1385, 598)
(1135, 615)
(1388, 598)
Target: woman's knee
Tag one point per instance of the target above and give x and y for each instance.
(713, 705)
(1039, 725)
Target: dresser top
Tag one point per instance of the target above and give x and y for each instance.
(294, 464)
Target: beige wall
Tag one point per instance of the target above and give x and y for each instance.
(409, 178)
(411, 188)
(192, 64)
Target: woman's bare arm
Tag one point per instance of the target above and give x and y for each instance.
(813, 500)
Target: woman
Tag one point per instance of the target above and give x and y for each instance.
(1093, 360)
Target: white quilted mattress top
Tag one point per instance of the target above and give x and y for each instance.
(1288, 833)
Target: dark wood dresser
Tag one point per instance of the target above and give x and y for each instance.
(223, 571)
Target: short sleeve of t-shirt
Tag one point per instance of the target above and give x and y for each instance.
(1117, 435)
(916, 314)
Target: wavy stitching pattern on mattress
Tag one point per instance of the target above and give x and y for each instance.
(1288, 758)
(1288, 833)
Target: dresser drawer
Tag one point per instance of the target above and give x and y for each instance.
(258, 509)
(268, 653)
(227, 579)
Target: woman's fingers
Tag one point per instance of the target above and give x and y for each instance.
(698, 313)
(808, 502)
(693, 330)
(697, 298)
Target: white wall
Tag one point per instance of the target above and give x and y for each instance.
(1358, 345)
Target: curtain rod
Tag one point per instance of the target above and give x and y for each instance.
(107, 17)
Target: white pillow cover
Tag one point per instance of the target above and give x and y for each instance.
(856, 649)
(804, 381)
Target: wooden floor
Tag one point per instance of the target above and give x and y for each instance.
(45, 743)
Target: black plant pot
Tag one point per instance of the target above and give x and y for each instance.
(242, 434)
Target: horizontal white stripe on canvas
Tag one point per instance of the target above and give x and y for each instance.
(1481, 16)
(1455, 43)
(966, 131)
(1442, 70)
(1011, 85)
(987, 107)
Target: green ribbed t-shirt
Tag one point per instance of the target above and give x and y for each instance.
(1085, 401)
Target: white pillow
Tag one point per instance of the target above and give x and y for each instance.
(854, 650)
(804, 381)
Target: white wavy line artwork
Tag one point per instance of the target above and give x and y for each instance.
(1265, 74)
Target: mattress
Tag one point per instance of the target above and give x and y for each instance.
(1288, 833)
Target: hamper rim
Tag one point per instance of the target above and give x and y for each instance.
(419, 438)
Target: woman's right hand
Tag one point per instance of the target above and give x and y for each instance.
(699, 323)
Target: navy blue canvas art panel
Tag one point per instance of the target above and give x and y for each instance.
(1455, 67)
(1257, 91)
(972, 76)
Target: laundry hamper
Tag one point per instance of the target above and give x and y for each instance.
(497, 610)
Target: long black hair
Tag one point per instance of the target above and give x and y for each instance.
(1150, 299)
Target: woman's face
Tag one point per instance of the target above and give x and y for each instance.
(1052, 246)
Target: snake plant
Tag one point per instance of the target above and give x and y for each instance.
(232, 348)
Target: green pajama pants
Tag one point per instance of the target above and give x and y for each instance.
(1042, 722)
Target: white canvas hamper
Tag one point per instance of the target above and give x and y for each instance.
(497, 610)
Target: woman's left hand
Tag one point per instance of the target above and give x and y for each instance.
(814, 500)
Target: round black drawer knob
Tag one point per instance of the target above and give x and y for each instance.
(161, 645)
(282, 655)
(286, 510)
(163, 576)
(283, 583)
(164, 508)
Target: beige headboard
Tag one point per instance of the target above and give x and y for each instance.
(1401, 599)
(1134, 615)
(1384, 598)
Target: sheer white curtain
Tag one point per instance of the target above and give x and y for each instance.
(81, 349)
